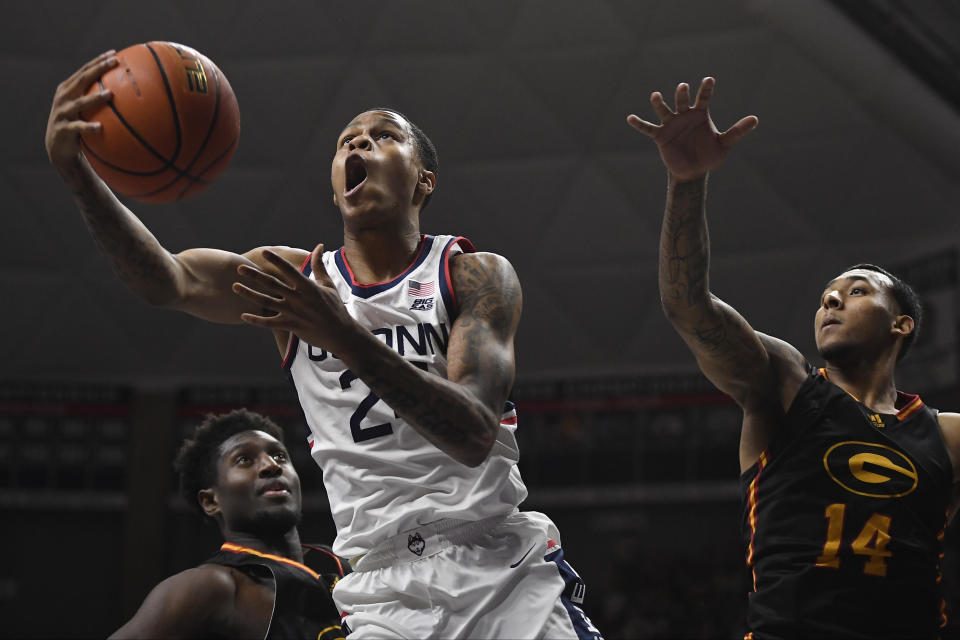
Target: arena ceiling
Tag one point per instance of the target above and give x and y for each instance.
(855, 159)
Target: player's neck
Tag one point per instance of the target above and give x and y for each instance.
(380, 254)
(285, 544)
(871, 382)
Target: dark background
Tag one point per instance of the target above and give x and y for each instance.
(624, 444)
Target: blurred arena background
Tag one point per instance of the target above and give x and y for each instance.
(624, 444)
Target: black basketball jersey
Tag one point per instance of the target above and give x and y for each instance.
(303, 607)
(843, 519)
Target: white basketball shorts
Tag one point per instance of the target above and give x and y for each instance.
(503, 577)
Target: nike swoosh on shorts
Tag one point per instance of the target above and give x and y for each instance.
(517, 563)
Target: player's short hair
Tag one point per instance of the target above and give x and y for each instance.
(908, 299)
(425, 147)
(197, 460)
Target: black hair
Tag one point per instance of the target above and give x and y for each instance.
(908, 299)
(199, 455)
(426, 150)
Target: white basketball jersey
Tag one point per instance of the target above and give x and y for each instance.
(382, 477)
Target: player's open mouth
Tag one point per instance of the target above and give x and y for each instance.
(356, 174)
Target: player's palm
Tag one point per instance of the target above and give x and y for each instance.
(311, 309)
(690, 145)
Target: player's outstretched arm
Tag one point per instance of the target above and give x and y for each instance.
(196, 281)
(460, 414)
(730, 353)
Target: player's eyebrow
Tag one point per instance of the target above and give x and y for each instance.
(245, 444)
(380, 121)
(847, 278)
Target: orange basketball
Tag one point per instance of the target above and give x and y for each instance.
(172, 125)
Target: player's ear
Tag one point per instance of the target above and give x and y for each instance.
(426, 182)
(902, 325)
(208, 502)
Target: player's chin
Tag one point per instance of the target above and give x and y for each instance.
(370, 212)
(832, 351)
(274, 518)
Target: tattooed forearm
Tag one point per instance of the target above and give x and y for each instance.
(727, 348)
(459, 414)
(684, 246)
(133, 252)
(440, 410)
(422, 410)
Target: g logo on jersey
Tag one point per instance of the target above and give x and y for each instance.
(870, 469)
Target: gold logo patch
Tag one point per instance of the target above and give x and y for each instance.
(870, 469)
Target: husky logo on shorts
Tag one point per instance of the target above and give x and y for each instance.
(416, 544)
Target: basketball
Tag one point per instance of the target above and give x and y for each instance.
(170, 129)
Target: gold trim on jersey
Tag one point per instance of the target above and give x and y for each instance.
(902, 414)
(752, 496)
(910, 409)
(235, 548)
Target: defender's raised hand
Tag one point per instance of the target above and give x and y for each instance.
(689, 142)
(311, 309)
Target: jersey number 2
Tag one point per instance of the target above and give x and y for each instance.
(361, 434)
(872, 541)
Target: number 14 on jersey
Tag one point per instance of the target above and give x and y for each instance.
(871, 542)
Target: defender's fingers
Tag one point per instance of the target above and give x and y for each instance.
(318, 270)
(264, 279)
(704, 93)
(316, 263)
(683, 97)
(261, 299)
(660, 107)
(277, 260)
(743, 126)
(644, 127)
(267, 322)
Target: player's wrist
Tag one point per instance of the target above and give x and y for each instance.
(68, 166)
(351, 341)
(680, 179)
(76, 172)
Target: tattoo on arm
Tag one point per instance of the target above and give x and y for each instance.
(133, 252)
(479, 359)
(429, 410)
(490, 313)
(684, 246)
(727, 348)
